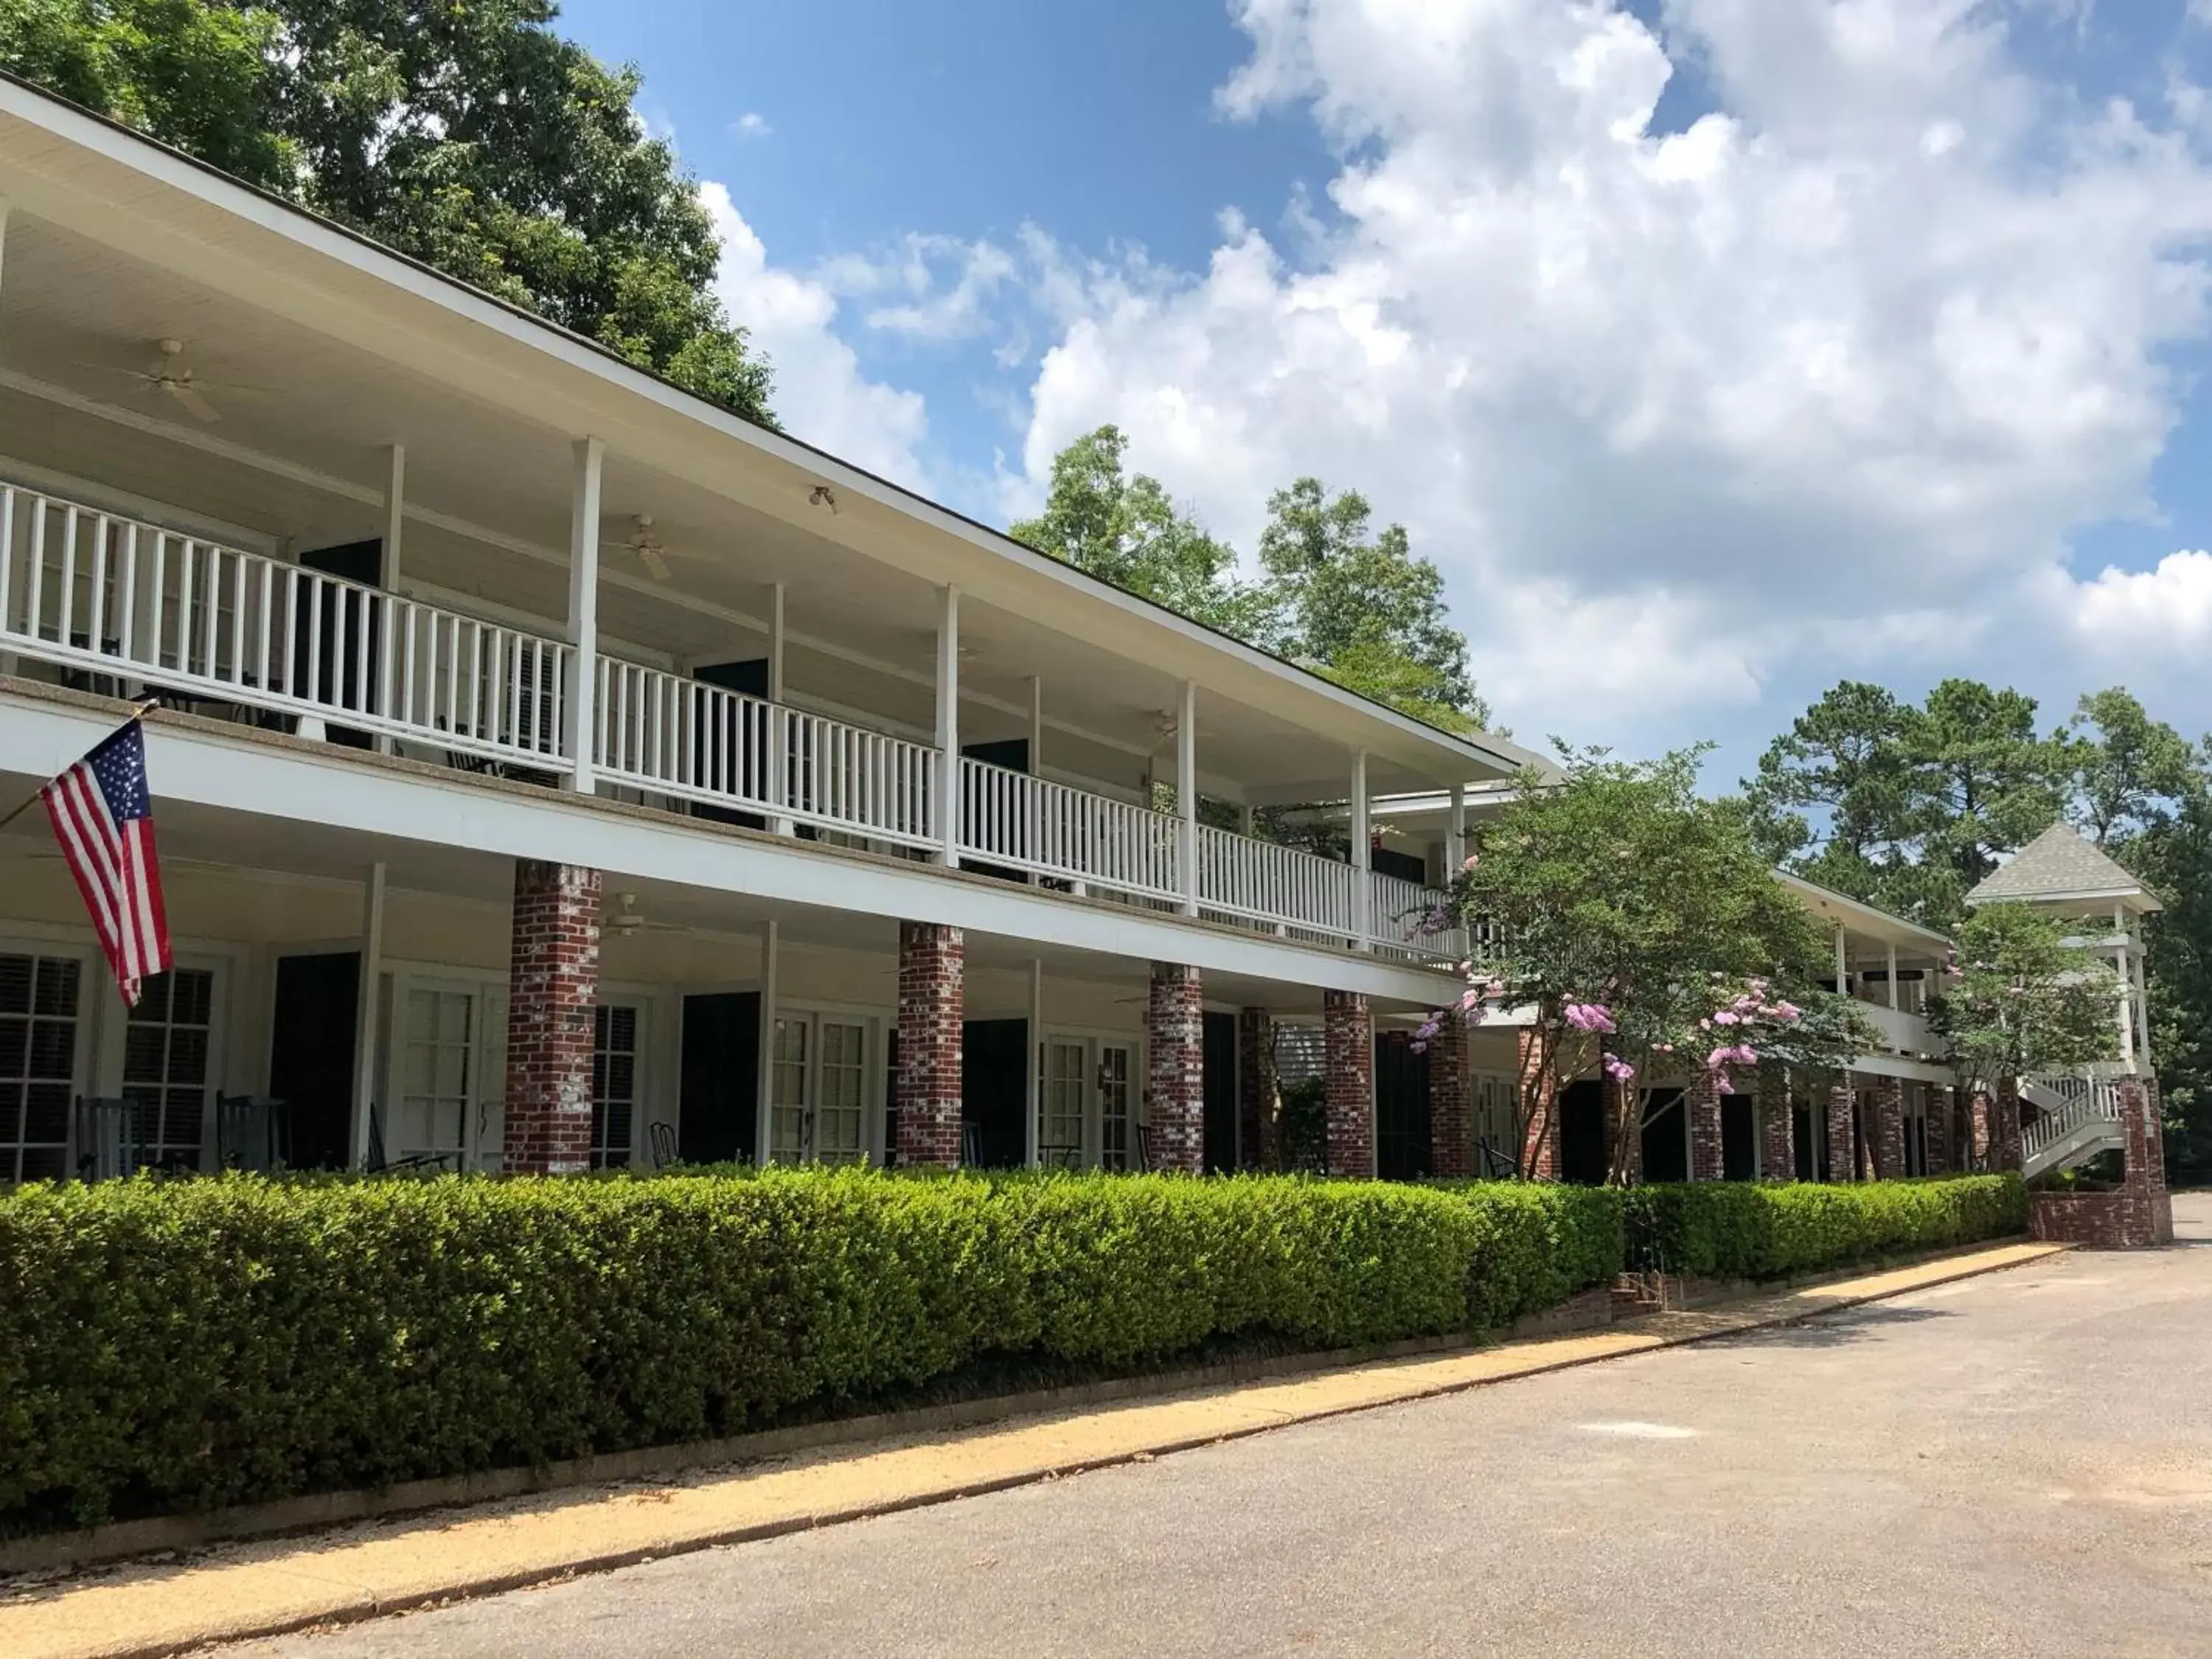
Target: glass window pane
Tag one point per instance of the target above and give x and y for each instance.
(15, 1046)
(57, 986)
(145, 1054)
(15, 976)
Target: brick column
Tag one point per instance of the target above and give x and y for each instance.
(2005, 1127)
(1256, 1090)
(1777, 1132)
(1175, 1039)
(1940, 1108)
(932, 1008)
(1539, 1151)
(1980, 1114)
(553, 983)
(1889, 1128)
(1451, 1130)
(1842, 1164)
(1702, 1101)
(2145, 1172)
(1348, 1034)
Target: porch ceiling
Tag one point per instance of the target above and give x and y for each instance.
(316, 369)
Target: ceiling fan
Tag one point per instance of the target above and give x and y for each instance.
(627, 920)
(646, 545)
(167, 373)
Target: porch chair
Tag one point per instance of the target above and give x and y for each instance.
(250, 1134)
(661, 1143)
(971, 1145)
(1145, 1148)
(103, 1139)
(377, 1163)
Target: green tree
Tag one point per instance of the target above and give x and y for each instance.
(1355, 603)
(200, 77)
(1645, 933)
(2022, 1000)
(1984, 781)
(1125, 529)
(2173, 855)
(470, 137)
(2130, 772)
(1848, 759)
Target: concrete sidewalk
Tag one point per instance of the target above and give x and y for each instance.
(236, 1591)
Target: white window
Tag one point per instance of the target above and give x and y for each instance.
(1116, 1063)
(39, 1031)
(168, 1059)
(614, 1084)
(1061, 1111)
(819, 1088)
(437, 1072)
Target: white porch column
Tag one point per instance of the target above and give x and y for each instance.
(948, 726)
(2122, 960)
(581, 725)
(387, 571)
(366, 1009)
(1244, 816)
(1893, 975)
(1456, 833)
(764, 1116)
(7, 657)
(1843, 964)
(779, 730)
(1037, 750)
(1187, 797)
(1033, 1132)
(1363, 856)
(2143, 1010)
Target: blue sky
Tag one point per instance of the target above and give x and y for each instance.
(1716, 349)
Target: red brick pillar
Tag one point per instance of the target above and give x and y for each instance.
(1348, 1034)
(1702, 1101)
(932, 1009)
(1889, 1128)
(1938, 1120)
(1539, 1115)
(2005, 1127)
(553, 983)
(1451, 1132)
(1843, 1158)
(1981, 1115)
(1778, 1134)
(1256, 1090)
(2145, 1173)
(1174, 1038)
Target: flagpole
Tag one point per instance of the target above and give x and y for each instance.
(137, 713)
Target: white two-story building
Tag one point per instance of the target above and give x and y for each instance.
(552, 769)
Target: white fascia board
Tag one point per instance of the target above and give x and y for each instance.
(1878, 923)
(501, 356)
(244, 774)
(1913, 1071)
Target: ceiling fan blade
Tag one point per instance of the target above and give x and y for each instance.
(655, 565)
(199, 407)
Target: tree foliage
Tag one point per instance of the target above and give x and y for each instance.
(2022, 1000)
(470, 137)
(1644, 931)
(1331, 592)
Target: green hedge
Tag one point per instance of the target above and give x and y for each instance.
(171, 1345)
(1740, 1230)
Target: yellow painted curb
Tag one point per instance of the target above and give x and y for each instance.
(236, 1591)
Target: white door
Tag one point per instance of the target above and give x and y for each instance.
(818, 1089)
(1063, 1105)
(615, 1032)
(435, 1114)
(1117, 1114)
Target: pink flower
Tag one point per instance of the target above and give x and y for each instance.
(1723, 1084)
(1662, 1048)
(1618, 1069)
(1587, 1016)
(1726, 1016)
(1789, 1013)
(1705, 1025)
(1472, 859)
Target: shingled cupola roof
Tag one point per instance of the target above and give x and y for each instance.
(2059, 865)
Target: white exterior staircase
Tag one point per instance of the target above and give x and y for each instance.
(2081, 1116)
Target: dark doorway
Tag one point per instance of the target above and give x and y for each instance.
(719, 1089)
(1915, 1145)
(1402, 1109)
(311, 1055)
(994, 809)
(344, 673)
(1404, 866)
(1800, 1140)
(730, 745)
(1739, 1139)
(994, 1073)
(1582, 1134)
(1219, 1059)
(1666, 1146)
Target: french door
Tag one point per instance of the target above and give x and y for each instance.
(819, 1092)
(435, 1114)
(1086, 1104)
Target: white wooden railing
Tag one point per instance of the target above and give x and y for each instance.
(2089, 1117)
(131, 606)
(660, 732)
(1260, 881)
(1032, 824)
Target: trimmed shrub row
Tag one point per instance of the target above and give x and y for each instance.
(1733, 1230)
(185, 1345)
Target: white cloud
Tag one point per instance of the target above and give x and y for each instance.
(821, 396)
(1820, 385)
(2169, 607)
(752, 124)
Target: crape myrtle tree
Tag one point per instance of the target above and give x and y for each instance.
(2020, 1000)
(1640, 928)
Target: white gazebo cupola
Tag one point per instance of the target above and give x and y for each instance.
(2063, 873)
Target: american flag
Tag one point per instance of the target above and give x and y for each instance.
(105, 819)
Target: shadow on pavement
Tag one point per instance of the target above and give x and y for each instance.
(1832, 1330)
